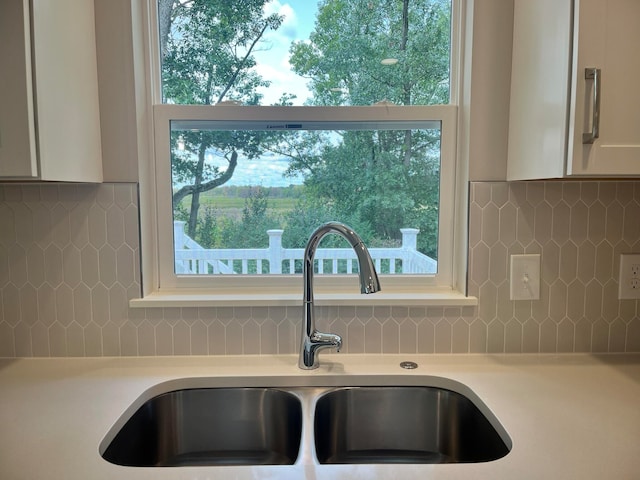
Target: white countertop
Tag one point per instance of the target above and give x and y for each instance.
(568, 416)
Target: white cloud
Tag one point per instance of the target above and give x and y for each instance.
(272, 57)
(290, 20)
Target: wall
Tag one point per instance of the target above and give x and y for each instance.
(69, 253)
(580, 228)
(484, 96)
(69, 264)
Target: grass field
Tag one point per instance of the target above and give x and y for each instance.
(231, 206)
(236, 202)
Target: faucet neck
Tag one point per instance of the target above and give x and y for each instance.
(369, 282)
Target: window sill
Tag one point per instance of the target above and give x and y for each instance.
(444, 298)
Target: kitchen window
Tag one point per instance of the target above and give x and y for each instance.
(275, 117)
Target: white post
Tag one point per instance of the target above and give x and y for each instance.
(178, 233)
(178, 243)
(275, 251)
(409, 242)
(410, 238)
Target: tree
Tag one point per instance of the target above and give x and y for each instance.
(362, 52)
(351, 38)
(251, 230)
(206, 48)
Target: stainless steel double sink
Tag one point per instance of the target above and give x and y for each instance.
(371, 424)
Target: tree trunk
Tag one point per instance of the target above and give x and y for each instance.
(165, 8)
(407, 85)
(195, 196)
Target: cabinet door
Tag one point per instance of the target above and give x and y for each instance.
(17, 127)
(540, 85)
(607, 33)
(66, 80)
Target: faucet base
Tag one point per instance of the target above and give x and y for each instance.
(312, 344)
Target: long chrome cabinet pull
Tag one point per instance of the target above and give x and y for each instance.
(595, 75)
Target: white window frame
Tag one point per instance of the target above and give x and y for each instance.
(163, 287)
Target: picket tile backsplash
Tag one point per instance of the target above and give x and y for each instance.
(69, 263)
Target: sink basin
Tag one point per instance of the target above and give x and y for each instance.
(211, 426)
(208, 422)
(402, 425)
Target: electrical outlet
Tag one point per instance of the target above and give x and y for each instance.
(525, 277)
(629, 280)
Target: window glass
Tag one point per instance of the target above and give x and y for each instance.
(275, 186)
(305, 52)
(245, 195)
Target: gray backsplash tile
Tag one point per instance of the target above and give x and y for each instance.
(69, 264)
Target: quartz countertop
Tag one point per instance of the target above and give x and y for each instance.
(568, 416)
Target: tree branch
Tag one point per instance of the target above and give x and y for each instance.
(232, 80)
(211, 184)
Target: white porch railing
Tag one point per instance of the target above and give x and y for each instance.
(191, 258)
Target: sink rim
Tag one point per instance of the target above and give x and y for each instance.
(296, 384)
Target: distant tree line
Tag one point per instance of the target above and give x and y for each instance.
(246, 191)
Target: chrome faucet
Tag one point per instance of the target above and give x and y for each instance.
(312, 340)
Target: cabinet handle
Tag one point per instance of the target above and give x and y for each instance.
(593, 74)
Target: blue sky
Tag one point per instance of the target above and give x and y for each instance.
(273, 54)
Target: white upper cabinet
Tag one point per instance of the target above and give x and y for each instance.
(49, 113)
(575, 100)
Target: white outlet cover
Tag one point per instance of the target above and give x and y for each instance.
(525, 277)
(629, 279)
